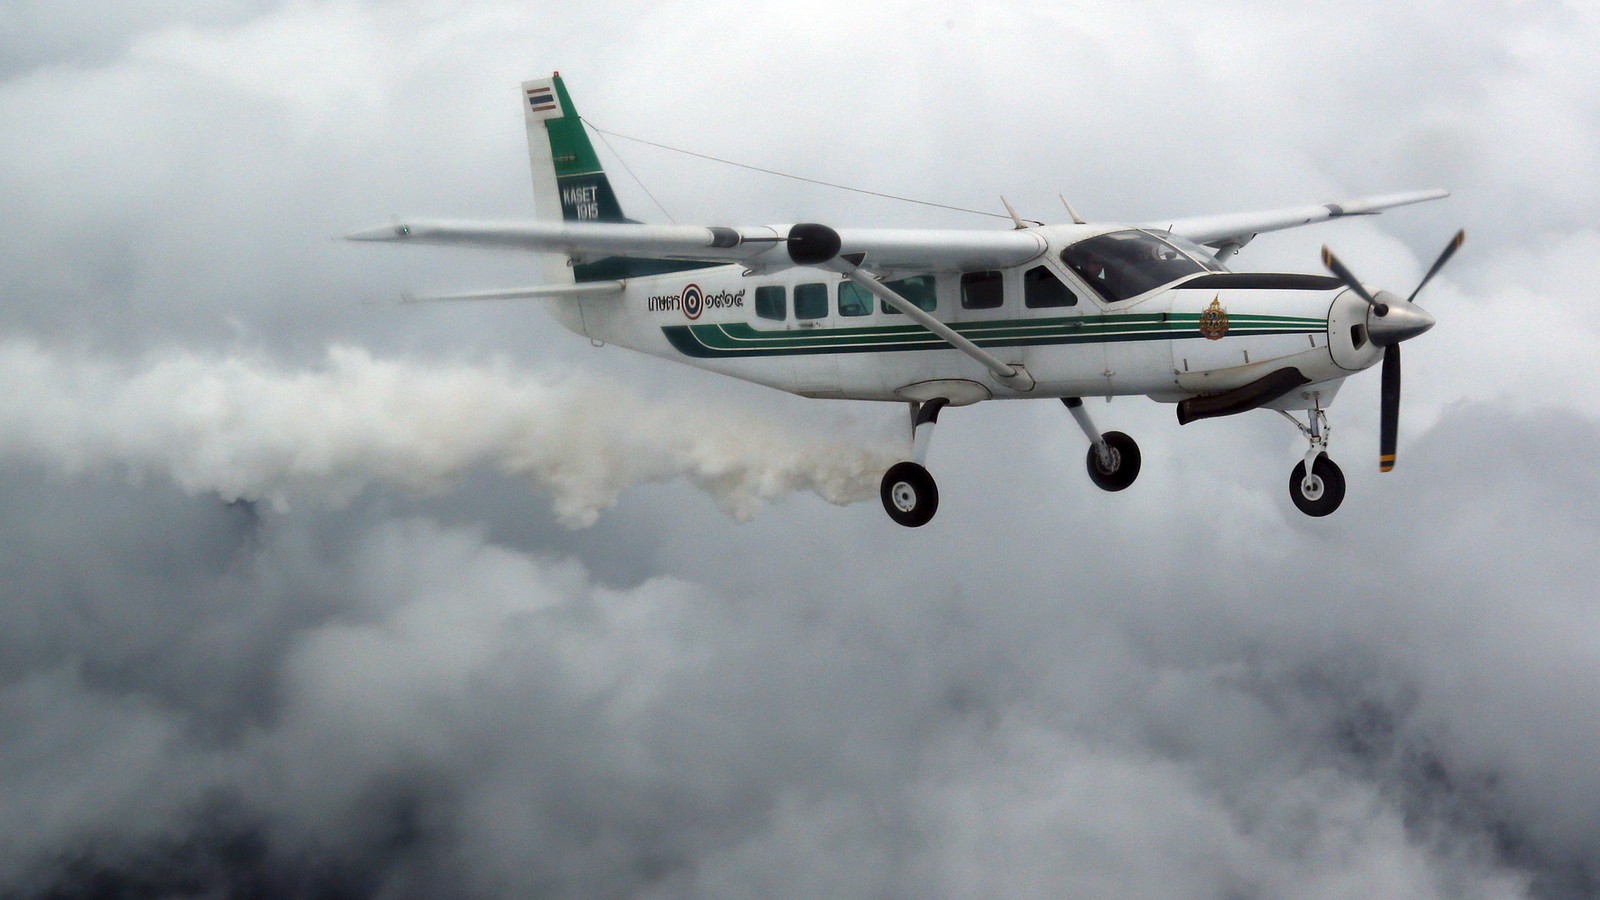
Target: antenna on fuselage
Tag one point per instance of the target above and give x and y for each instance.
(1076, 219)
(1013, 211)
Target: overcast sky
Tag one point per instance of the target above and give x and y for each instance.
(304, 594)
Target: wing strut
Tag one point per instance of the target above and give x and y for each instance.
(1014, 377)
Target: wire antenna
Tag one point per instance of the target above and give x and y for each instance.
(828, 184)
(629, 169)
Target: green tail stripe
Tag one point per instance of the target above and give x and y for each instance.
(569, 143)
(586, 195)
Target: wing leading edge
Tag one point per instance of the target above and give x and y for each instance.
(759, 246)
(1236, 229)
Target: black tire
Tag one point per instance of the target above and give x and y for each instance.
(1324, 491)
(1124, 467)
(909, 494)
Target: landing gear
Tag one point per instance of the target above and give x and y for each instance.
(1115, 465)
(1320, 491)
(1316, 485)
(1113, 456)
(909, 493)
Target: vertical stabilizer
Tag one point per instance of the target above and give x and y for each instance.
(568, 182)
(569, 185)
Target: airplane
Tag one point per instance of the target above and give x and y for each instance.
(947, 318)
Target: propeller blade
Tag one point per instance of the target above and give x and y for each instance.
(1449, 251)
(1346, 276)
(1389, 419)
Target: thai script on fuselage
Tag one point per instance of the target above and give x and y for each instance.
(583, 201)
(693, 301)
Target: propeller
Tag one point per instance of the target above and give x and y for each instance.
(1390, 321)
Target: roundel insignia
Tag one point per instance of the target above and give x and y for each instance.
(1214, 320)
(693, 301)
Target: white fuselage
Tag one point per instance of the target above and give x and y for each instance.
(810, 335)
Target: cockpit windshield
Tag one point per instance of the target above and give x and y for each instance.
(1125, 264)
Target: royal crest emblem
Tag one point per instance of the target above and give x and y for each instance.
(1214, 321)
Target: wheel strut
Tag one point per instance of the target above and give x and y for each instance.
(923, 417)
(1101, 448)
(1113, 458)
(1316, 484)
(909, 494)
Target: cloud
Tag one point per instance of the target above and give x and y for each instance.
(459, 703)
(414, 682)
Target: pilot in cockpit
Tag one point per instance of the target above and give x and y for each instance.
(1093, 269)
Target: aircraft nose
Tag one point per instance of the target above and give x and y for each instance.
(1402, 321)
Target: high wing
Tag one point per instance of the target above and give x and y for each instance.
(579, 217)
(881, 248)
(1231, 231)
(758, 246)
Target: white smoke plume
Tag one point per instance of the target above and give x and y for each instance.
(249, 429)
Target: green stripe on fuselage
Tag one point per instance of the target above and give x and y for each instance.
(739, 339)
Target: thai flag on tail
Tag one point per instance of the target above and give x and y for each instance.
(542, 99)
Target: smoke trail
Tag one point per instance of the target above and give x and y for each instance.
(248, 429)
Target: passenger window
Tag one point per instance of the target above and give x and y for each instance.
(810, 301)
(918, 289)
(1041, 288)
(772, 302)
(981, 290)
(854, 300)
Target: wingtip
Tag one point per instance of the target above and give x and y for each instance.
(395, 232)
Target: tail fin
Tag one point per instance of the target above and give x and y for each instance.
(561, 148)
(567, 177)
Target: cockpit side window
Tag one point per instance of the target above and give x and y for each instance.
(1125, 264)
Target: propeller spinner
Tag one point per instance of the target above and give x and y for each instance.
(1390, 321)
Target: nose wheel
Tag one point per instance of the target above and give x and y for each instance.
(1316, 485)
(1319, 491)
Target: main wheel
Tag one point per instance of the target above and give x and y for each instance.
(1121, 469)
(1319, 493)
(909, 494)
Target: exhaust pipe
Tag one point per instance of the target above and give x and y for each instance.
(1254, 395)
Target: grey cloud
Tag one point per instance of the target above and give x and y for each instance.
(466, 704)
(1184, 690)
(90, 33)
